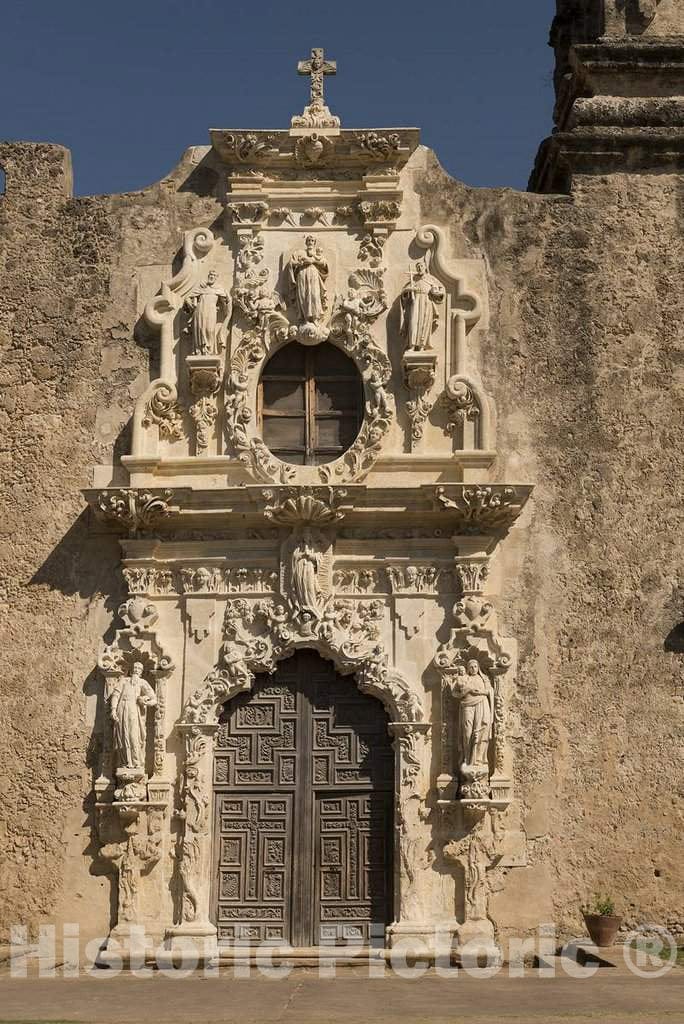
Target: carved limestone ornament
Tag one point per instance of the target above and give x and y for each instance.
(380, 148)
(482, 509)
(158, 406)
(135, 668)
(313, 149)
(200, 579)
(252, 293)
(349, 329)
(298, 506)
(307, 273)
(132, 844)
(260, 634)
(476, 852)
(135, 510)
(460, 402)
(257, 156)
(194, 815)
(316, 114)
(475, 668)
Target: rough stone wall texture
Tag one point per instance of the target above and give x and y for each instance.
(582, 361)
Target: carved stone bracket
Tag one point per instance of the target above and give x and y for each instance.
(205, 373)
(135, 510)
(491, 508)
(419, 377)
(298, 506)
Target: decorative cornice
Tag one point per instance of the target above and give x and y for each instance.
(371, 151)
(469, 508)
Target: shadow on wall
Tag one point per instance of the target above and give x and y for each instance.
(85, 563)
(674, 641)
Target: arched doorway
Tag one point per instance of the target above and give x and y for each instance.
(304, 789)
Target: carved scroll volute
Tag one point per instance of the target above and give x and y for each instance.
(195, 815)
(158, 405)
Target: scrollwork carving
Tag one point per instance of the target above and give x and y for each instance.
(162, 409)
(482, 509)
(259, 635)
(380, 148)
(134, 509)
(195, 817)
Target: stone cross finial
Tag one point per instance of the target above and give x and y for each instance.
(317, 67)
(316, 114)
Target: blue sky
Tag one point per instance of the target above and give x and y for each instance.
(127, 86)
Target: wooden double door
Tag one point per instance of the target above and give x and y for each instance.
(304, 791)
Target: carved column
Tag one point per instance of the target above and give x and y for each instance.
(193, 928)
(413, 903)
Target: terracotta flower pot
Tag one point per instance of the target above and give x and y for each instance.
(602, 928)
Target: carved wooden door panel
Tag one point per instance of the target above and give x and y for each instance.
(304, 778)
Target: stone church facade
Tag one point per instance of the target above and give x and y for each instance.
(343, 584)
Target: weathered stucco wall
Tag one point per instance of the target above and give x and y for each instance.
(581, 360)
(584, 361)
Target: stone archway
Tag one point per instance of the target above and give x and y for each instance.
(258, 639)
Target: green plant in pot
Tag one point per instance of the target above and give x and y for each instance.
(601, 920)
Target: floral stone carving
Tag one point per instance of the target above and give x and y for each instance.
(260, 634)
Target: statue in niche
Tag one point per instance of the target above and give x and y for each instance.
(475, 696)
(307, 559)
(419, 302)
(308, 270)
(204, 305)
(128, 710)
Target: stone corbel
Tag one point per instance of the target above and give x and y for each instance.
(133, 509)
(419, 378)
(205, 373)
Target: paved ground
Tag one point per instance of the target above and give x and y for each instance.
(611, 997)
